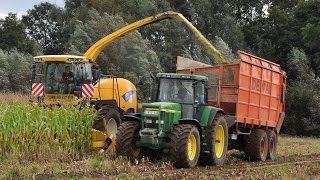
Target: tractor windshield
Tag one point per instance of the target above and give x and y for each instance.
(175, 90)
(66, 78)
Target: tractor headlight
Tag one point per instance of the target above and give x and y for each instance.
(149, 121)
(161, 121)
(151, 112)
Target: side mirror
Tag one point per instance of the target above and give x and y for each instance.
(152, 76)
(196, 104)
(95, 66)
(96, 74)
(95, 71)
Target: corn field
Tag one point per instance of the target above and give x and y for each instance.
(31, 132)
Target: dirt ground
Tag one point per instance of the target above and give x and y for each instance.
(304, 167)
(298, 158)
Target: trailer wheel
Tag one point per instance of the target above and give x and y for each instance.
(217, 142)
(127, 135)
(272, 144)
(185, 147)
(112, 119)
(256, 147)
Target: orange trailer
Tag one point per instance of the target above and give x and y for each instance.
(251, 93)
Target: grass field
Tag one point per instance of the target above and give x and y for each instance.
(54, 143)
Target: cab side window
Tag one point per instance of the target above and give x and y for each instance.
(200, 93)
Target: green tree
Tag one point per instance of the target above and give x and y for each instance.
(215, 18)
(290, 23)
(4, 80)
(46, 24)
(302, 109)
(129, 57)
(15, 71)
(19, 71)
(298, 66)
(170, 38)
(307, 18)
(12, 35)
(303, 95)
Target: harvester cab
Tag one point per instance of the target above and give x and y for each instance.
(63, 79)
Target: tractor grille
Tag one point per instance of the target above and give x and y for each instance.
(151, 123)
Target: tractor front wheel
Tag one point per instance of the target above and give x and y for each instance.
(185, 148)
(217, 142)
(127, 135)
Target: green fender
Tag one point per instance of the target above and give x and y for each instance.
(207, 115)
(132, 117)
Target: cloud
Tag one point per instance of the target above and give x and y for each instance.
(3, 15)
(17, 6)
(19, 15)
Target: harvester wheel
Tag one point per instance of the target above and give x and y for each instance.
(217, 142)
(127, 135)
(111, 117)
(256, 147)
(185, 147)
(272, 140)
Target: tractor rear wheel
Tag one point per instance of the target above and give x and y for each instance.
(127, 135)
(185, 147)
(256, 147)
(217, 142)
(111, 117)
(272, 142)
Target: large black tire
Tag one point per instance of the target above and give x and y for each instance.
(185, 146)
(272, 144)
(217, 142)
(256, 147)
(127, 135)
(112, 118)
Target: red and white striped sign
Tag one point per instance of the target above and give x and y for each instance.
(87, 90)
(37, 89)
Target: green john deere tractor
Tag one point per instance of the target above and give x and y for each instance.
(178, 121)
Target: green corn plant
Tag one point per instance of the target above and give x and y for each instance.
(35, 133)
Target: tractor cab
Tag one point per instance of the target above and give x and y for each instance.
(187, 90)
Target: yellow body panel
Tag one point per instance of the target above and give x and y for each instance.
(59, 99)
(98, 138)
(60, 58)
(118, 89)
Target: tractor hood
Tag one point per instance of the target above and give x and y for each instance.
(164, 106)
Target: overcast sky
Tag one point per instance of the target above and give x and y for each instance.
(21, 6)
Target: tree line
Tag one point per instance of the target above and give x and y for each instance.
(286, 32)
